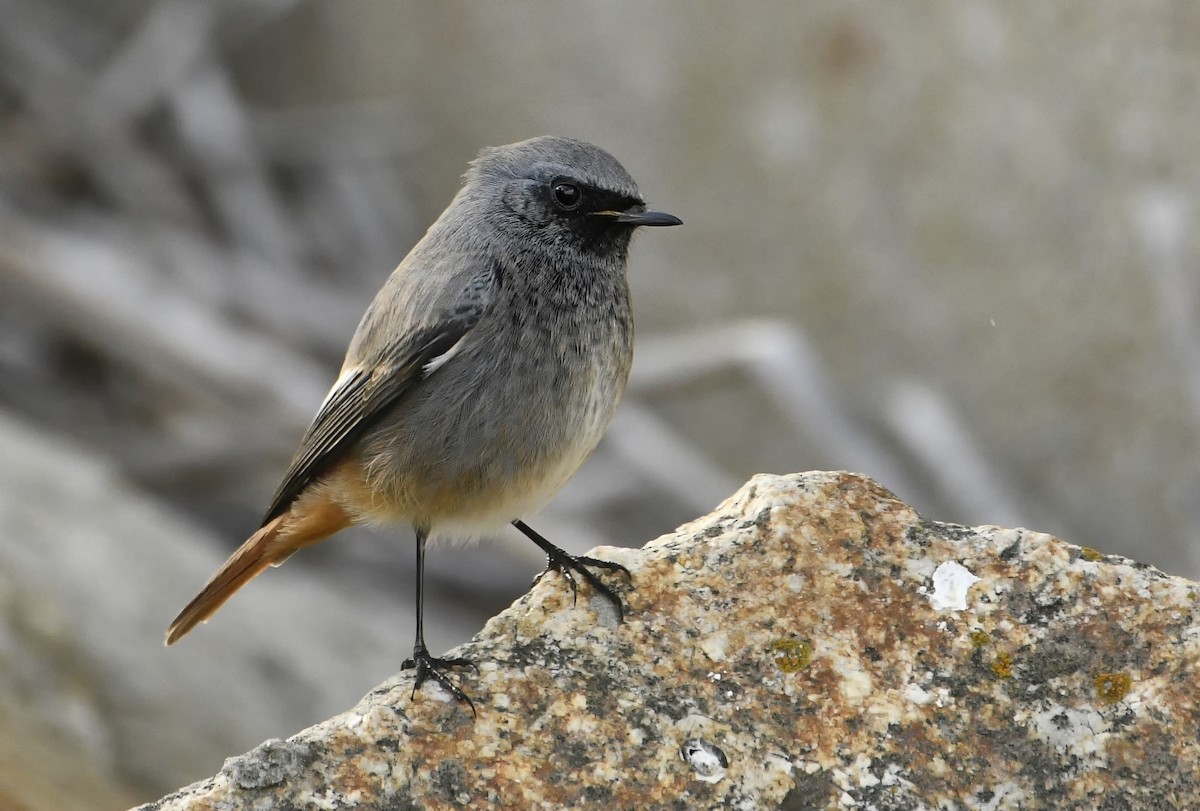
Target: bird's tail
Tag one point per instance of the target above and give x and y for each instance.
(270, 546)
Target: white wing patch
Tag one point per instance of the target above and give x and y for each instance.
(440, 361)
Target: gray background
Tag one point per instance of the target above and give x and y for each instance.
(948, 245)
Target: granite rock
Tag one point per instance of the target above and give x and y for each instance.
(813, 643)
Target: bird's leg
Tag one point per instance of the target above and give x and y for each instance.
(429, 667)
(566, 564)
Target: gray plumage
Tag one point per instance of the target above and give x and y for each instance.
(482, 375)
(534, 312)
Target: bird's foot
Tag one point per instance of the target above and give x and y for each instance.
(430, 667)
(568, 565)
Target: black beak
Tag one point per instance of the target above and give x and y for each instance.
(635, 217)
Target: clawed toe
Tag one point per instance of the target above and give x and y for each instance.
(612, 566)
(430, 667)
(569, 565)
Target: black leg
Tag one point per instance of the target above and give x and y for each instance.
(429, 667)
(565, 564)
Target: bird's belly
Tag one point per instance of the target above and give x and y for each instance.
(466, 466)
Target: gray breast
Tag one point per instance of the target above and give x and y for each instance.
(517, 408)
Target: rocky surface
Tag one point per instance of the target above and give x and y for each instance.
(813, 643)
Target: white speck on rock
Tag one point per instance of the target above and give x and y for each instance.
(951, 582)
(715, 645)
(1081, 732)
(706, 758)
(1005, 795)
(917, 694)
(856, 684)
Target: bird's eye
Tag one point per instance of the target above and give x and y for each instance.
(567, 195)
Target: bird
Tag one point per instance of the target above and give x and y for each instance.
(482, 375)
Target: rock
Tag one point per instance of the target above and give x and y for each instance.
(813, 643)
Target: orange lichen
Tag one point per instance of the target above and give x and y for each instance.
(1112, 687)
(1002, 666)
(1089, 554)
(796, 654)
(980, 638)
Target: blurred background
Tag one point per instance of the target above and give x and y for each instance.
(949, 246)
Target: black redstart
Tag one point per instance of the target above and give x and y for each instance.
(480, 378)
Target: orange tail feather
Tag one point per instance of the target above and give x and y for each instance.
(270, 546)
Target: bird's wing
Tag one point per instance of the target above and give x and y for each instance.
(366, 390)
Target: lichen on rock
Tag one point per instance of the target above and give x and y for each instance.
(785, 652)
